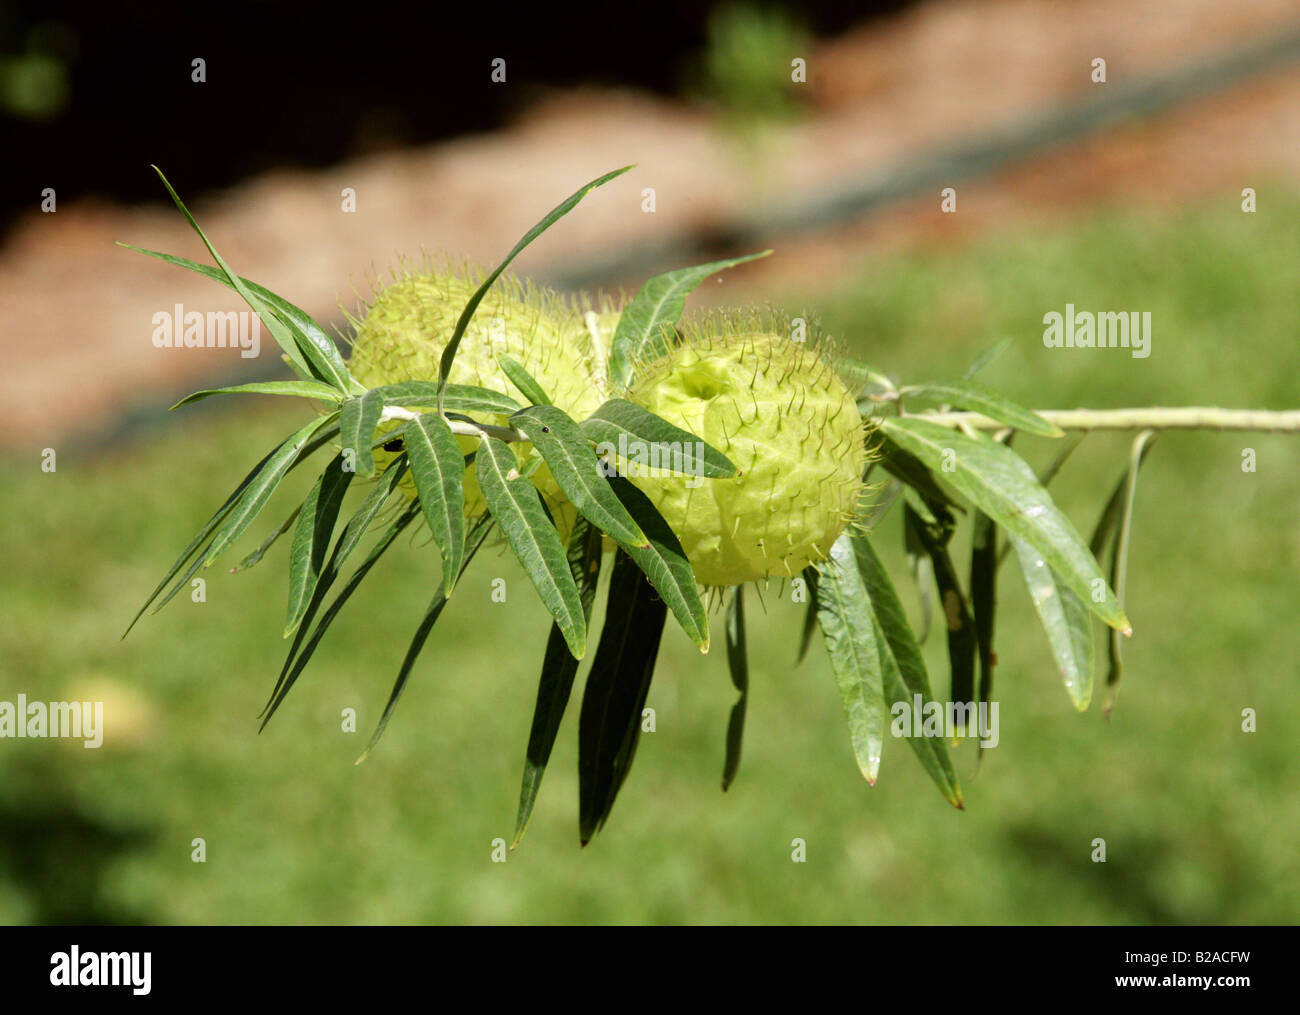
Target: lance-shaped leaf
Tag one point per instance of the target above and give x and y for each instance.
(987, 357)
(976, 397)
(810, 614)
(312, 537)
(457, 397)
(306, 332)
(302, 389)
(627, 431)
(438, 468)
(909, 469)
(523, 380)
(615, 696)
(307, 357)
(906, 678)
(358, 418)
(517, 507)
(1066, 621)
(254, 556)
(855, 645)
(1110, 515)
(933, 537)
(983, 597)
(647, 322)
(356, 527)
(664, 563)
(289, 676)
(472, 542)
(577, 471)
(558, 671)
(738, 664)
(551, 217)
(259, 491)
(1119, 557)
(1001, 485)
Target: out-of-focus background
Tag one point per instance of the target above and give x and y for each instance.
(1122, 194)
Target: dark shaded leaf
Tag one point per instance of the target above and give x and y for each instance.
(738, 664)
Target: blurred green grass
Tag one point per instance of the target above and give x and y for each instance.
(1200, 819)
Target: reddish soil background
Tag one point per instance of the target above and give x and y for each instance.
(76, 310)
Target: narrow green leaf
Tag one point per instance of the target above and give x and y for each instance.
(664, 563)
(907, 677)
(975, 397)
(986, 357)
(958, 621)
(983, 597)
(551, 217)
(558, 671)
(629, 432)
(854, 645)
(312, 538)
(306, 332)
(473, 541)
(358, 418)
(457, 397)
(517, 507)
(577, 471)
(438, 468)
(810, 614)
(303, 389)
(1119, 558)
(738, 664)
(523, 380)
(1066, 621)
(259, 491)
(356, 527)
(297, 661)
(609, 724)
(910, 470)
(256, 555)
(1110, 514)
(1001, 485)
(647, 322)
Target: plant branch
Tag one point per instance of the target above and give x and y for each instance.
(1155, 418)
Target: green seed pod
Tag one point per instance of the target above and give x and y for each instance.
(406, 326)
(787, 421)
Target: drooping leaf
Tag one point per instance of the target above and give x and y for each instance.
(358, 418)
(312, 538)
(523, 380)
(1001, 485)
(1066, 621)
(738, 664)
(259, 491)
(472, 542)
(297, 661)
(558, 671)
(302, 389)
(664, 563)
(551, 217)
(257, 554)
(809, 576)
(356, 527)
(958, 622)
(976, 397)
(577, 471)
(438, 468)
(517, 507)
(615, 696)
(1119, 558)
(646, 325)
(906, 678)
(987, 357)
(626, 430)
(910, 470)
(983, 597)
(854, 644)
(1110, 515)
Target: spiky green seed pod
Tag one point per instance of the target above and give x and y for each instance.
(779, 411)
(408, 323)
